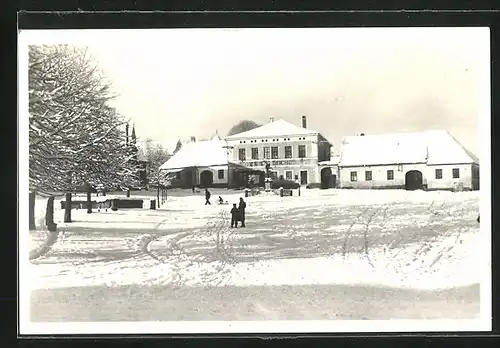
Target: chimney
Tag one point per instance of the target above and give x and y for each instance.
(271, 119)
(193, 139)
(304, 122)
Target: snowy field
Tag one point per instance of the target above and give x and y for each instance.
(424, 241)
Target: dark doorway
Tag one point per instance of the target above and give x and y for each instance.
(413, 180)
(333, 181)
(326, 174)
(303, 177)
(187, 178)
(206, 178)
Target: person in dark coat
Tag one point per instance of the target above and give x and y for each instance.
(235, 216)
(241, 209)
(207, 197)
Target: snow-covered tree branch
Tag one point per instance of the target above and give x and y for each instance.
(76, 137)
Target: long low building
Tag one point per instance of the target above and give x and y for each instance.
(429, 160)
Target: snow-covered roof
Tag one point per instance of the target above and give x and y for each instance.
(198, 154)
(276, 128)
(431, 147)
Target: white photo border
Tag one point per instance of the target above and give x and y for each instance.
(26, 327)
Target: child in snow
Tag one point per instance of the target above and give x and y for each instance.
(235, 216)
(207, 197)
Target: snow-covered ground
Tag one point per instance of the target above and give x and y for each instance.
(426, 240)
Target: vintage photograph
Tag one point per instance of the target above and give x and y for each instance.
(254, 180)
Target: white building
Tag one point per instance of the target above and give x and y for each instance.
(205, 164)
(292, 152)
(431, 160)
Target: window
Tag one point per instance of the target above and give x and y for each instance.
(390, 174)
(456, 173)
(274, 152)
(274, 175)
(255, 153)
(289, 175)
(368, 175)
(242, 155)
(439, 174)
(288, 152)
(220, 173)
(266, 153)
(302, 151)
(354, 176)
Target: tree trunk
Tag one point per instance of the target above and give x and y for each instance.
(89, 200)
(128, 193)
(158, 193)
(67, 208)
(49, 215)
(32, 225)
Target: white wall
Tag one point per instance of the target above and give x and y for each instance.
(215, 175)
(309, 163)
(465, 171)
(310, 143)
(312, 172)
(379, 176)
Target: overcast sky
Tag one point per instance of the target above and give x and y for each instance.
(182, 82)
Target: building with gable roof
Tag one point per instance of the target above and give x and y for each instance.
(429, 160)
(204, 163)
(293, 152)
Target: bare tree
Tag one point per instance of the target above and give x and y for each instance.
(155, 154)
(243, 126)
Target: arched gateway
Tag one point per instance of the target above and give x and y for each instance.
(414, 180)
(328, 180)
(206, 178)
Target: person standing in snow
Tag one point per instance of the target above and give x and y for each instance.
(235, 216)
(207, 197)
(241, 209)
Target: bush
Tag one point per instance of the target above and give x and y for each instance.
(286, 184)
(313, 186)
